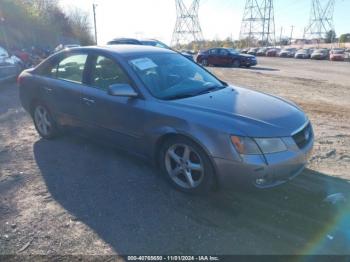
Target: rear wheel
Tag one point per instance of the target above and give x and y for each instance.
(204, 62)
(186, 166)
(44, 123)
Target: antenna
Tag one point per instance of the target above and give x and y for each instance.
(187, 27)
(258, 23)
(321, 19)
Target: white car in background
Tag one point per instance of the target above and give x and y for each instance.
(62, 47)
(10, 66)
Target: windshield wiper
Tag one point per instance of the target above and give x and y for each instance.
(179, 96)
(209, 90)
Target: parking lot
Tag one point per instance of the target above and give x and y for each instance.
(73, 196)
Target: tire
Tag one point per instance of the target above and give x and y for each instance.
(44, 122)
(192, 170)
(236, 63)
(204, 62)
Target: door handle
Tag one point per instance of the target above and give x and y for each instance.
(88, 101)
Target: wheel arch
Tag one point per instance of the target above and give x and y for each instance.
(165, 137)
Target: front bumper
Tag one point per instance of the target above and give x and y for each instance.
(266, 171)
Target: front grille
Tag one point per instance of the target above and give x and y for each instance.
(303, 137)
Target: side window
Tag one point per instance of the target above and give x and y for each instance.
(223, 52)
(213, 51)
(106, 72)
(70, 68)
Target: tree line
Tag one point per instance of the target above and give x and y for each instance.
(41, 23)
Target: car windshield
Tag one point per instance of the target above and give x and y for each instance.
(303, 51)
(233, 51)
(338, 51)
(172, 76)
(320, 51)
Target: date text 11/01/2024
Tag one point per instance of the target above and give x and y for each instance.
(172, 258)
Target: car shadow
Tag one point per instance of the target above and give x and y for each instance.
(130, 207)
(258, 68)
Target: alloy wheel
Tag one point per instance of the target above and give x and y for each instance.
(42, 120)
(184, 166)
(205, 62)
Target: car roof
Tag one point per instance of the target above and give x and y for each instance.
(126, 50)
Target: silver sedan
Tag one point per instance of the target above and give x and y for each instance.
(200, 131)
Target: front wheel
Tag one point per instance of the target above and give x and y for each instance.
(205, 62)
(186, 166)
(44, 123)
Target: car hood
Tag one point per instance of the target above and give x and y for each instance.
(246, 112)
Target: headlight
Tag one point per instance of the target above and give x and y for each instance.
(257, 146)
(271, 145)
(245, 145)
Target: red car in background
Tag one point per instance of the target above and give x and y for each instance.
(273, 52)
(337, 54)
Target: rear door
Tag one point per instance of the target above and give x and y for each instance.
(119, 119)
(61, 85)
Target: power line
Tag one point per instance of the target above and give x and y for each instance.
(258, 23)
(187, 27)
(321, 19)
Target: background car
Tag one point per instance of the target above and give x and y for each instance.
(273, 52)
(262, 51)
(320, 54)
(303, 54)
(244, 51)
(65, 46)
(225, 57)
(288, 52)
(147, 42)
(10, 66)
(337, 54)
(252, 51)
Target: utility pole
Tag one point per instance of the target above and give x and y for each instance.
(281, 35)
(291, 34)
(95, 25)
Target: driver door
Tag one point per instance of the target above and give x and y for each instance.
(117, 119)
(213, 57)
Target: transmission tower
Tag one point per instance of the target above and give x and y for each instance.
(258, 23)
(321, 19)
(187, 26)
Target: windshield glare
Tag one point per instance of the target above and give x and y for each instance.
(172, 76)
(233, 51)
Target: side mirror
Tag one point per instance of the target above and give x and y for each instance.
(124, 90)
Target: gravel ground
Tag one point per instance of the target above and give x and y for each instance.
(71, 196)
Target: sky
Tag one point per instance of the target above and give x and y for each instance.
(219, 19)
